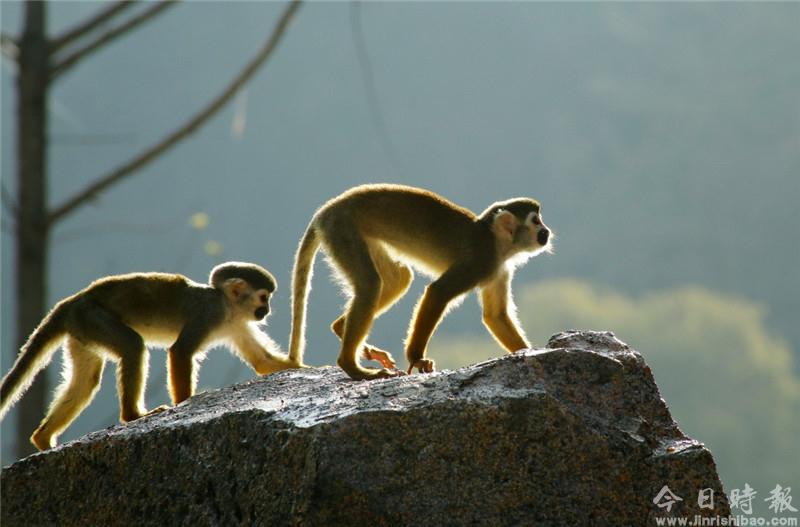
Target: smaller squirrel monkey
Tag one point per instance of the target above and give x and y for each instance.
(116, 315)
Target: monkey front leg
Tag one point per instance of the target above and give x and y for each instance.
(429, 311)
(182, 378)
(499, 314)
(505, 331)
(427, 315)
(181, 366)
(256, 348)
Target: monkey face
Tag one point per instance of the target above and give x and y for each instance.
(246, 300)
(519, 221)
(533, 233)
(262, 304)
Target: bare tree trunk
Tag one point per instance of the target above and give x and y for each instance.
(32, 224)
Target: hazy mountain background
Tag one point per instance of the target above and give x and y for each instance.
(663, 141)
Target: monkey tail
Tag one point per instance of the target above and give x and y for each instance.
(35, 354)
(301, 278)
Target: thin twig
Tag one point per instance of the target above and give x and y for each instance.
(82, 29)
(368, 78)
(9, 47)
(186, 129)
(73, 58)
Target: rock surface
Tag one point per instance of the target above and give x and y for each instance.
(574, 434)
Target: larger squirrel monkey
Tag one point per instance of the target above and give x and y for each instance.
(372, 234)
(114, 317)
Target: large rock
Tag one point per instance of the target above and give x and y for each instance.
(575, 434)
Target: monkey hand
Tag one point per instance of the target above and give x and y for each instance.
(384, 357)
(423, 365)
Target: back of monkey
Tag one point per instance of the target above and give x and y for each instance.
(36, 353)
(420, 224)
(156, 305)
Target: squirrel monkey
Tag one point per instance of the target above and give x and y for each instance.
(116, 315)
(372, 234)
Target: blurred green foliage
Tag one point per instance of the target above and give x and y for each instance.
(727, 380)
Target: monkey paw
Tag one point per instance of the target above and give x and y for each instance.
(289, 365)
(377, 354)
(423, 365)
(43, 440)
(358, 373)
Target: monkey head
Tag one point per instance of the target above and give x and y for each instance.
(247, 287)
(518, 223)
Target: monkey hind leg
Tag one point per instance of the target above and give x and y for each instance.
(83, 370)
(396, 278)
(357, 324)
(395, 281)
(105, 329)
(351, 254)
(131, 379)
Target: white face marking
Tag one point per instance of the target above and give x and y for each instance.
(529, 219)
(534, 223)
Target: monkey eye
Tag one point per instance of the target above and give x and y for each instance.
(535, 219)
(263, 298)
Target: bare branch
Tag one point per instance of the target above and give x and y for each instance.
(82, 29)
(187, 128)
(73, 58)
(9, 47)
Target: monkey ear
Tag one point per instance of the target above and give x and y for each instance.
(234, 288)
(504, 225)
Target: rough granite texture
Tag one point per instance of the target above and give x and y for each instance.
(574, 434)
